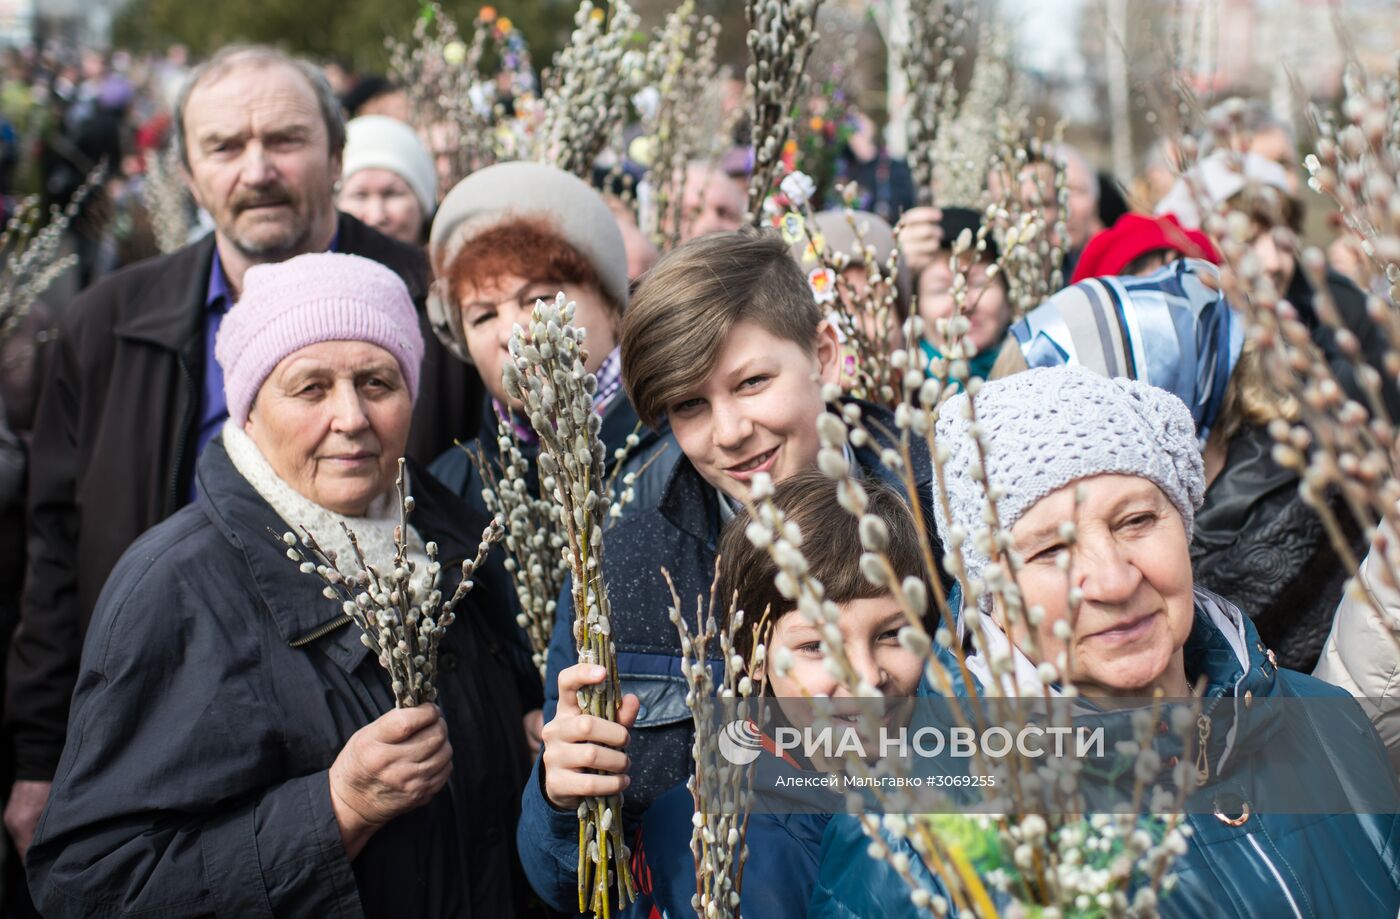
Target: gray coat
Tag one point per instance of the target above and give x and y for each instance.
(194, 780)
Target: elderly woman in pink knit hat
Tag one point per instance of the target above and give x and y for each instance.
(233, 749)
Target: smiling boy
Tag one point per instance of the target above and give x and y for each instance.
(725, 341)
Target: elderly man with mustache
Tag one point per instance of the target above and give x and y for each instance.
(132, 393)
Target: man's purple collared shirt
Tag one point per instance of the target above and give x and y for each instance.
(213, 407)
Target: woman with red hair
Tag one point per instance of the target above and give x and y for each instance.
(504, 237)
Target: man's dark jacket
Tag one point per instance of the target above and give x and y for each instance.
(114, 453)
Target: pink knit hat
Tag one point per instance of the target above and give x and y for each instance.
(309, 299)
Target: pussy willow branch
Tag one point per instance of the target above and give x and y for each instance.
(166, 199)
(678, 109)
(30, 249)
(780, 39)
(534, 529)
(450, 97)
(965, 135)
(1342, 449)
(546, 374)
(534, 540)
(865, 318)
(585, 102)
(403, 620)
(722, 791)
(1032, 248)
(929, 60)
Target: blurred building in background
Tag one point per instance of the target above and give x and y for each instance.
(82, 22)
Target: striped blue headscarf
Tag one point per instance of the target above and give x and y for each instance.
(1169, 329)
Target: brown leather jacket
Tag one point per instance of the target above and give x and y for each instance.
(114, 452)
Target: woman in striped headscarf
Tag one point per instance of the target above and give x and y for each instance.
(1256, 542)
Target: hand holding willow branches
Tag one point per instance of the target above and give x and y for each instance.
(584, 756)
(392, 765)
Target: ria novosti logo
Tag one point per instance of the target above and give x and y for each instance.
(740, 742)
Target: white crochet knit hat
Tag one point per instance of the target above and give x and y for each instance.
(1048, 427)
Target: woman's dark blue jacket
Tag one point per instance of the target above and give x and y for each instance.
(1272, 864)
(217, 687)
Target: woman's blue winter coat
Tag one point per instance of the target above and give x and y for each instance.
(1272, 864)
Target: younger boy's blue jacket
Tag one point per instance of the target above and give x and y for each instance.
(784, 854)
(679, 533)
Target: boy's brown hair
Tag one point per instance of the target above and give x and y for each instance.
(831, 545)
(686, 306)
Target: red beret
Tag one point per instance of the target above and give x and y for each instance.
(1135, 235)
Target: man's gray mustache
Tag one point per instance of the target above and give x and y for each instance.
(265, 201)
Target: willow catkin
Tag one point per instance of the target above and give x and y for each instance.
(722, 791)
(780, 40)
(546, 374)
(402, 614)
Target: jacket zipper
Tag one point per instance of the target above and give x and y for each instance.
(172, 497)
(1274, 871)
(321, 631)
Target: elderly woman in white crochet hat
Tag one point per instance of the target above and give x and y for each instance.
(1099, 480)
(388, 180)
(1099, 483)
(1129, 450)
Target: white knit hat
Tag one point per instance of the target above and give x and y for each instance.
(1051, 426)
(1218, 178)
(381, 142)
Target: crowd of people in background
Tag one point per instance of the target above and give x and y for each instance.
(339, 303)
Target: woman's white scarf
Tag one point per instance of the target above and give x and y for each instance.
(1022, 681)
(374, 531)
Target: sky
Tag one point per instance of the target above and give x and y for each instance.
(1047, 34)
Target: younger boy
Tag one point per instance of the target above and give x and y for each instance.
(785, 848)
